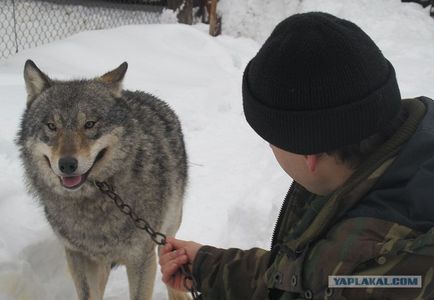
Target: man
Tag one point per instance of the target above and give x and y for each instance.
(362, 201)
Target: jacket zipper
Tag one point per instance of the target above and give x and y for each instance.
(283, 208)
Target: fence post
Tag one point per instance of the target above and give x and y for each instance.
(214, 21)
(184, 8)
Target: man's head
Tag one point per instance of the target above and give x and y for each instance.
(324, 172)
(318, 87)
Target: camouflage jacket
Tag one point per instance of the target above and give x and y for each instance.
(380, 222)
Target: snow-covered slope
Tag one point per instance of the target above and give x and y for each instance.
(236, 186)
(404, 31)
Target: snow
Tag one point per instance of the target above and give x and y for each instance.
(403, 31)
(236, 186)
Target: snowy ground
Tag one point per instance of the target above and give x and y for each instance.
(235, 187)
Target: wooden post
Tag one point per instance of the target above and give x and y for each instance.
(214, 21)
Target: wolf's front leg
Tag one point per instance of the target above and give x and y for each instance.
(141, 276)
(90, 277)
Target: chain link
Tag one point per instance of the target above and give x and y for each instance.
(158, 237)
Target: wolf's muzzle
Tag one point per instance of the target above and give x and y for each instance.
(69, 164)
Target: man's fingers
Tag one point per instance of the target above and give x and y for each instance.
(173, 256)
(179, 259)
(190, 247)
(176, 243)
(166, 248)
(171, 268)
(170, 256)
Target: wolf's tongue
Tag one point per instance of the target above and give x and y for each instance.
(71, 181)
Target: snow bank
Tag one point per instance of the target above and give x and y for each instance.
(404, 31)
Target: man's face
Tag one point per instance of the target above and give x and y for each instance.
(320, 174)
(293, 164)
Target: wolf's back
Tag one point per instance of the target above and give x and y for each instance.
(160, 123)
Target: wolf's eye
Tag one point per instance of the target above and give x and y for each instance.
(89, 124)
(51, 126)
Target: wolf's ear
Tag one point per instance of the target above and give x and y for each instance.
(114, 79)
(36, 81)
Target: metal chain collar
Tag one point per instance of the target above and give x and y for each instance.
(158, 237)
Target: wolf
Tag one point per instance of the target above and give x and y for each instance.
(78, 132)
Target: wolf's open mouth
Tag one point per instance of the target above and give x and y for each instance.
(73, 182)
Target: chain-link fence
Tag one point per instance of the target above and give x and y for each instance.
(29, 23)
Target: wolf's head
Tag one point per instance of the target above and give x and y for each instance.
(71, 132)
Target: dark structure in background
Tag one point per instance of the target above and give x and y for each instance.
(424, 3)
(29, 23)
(206, 10)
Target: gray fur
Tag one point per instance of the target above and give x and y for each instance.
(145, 161)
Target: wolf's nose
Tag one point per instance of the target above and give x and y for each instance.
(68, 165)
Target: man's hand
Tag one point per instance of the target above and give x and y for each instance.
(172, 256)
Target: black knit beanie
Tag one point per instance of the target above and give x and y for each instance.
(317, 84)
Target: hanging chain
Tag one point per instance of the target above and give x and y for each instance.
(158, 237)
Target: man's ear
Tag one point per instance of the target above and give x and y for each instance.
(36, 81)
(114, 79)
(312, 161)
